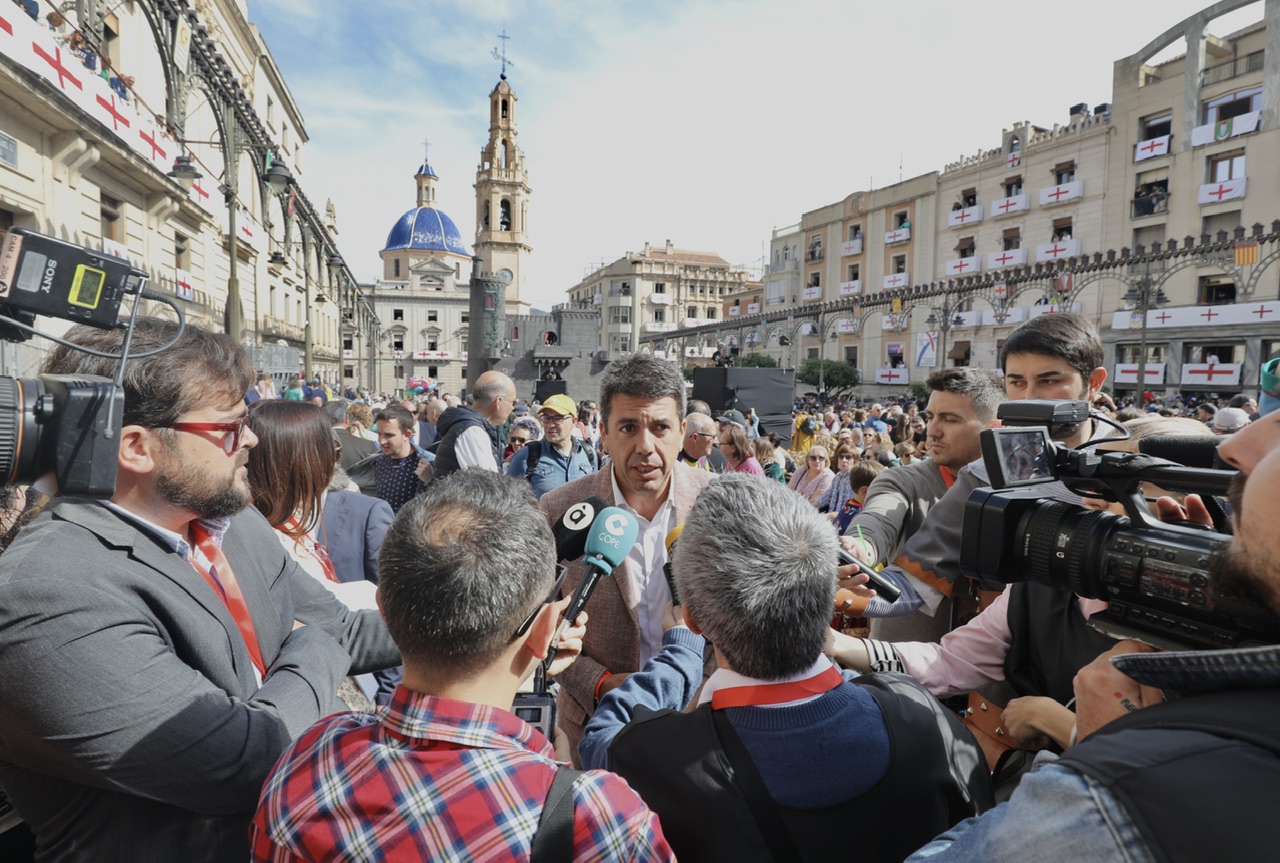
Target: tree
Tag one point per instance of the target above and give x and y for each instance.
(919, 392)
(837, 376)
(756, 361)
(687, 371)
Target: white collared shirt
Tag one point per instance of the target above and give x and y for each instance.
(644, 564)
(727, 678)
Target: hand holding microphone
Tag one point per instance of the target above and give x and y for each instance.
(608, 542)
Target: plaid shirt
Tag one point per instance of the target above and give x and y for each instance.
(428, 778)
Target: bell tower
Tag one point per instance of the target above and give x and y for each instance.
(502, 194)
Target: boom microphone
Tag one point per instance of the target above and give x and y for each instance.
(1200, 451)
(571, 529)
(608, 542)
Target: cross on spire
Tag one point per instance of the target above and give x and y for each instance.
(426, 150)
(502, 55)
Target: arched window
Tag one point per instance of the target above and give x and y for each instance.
(786, 253)
(504, 215)
(486, 214)
(506, 154)
(1015, 146)
(504, 109)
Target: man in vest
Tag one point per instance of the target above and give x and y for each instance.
(559, 457)
(783, 751)
(469, 435)
(1189, 775)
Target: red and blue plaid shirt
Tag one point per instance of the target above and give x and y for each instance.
(428, 778)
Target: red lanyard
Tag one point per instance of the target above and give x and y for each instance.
(777, 693)
(311, 547)
(223, 581)
(947, 476)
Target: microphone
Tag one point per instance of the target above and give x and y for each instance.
(884, 588)
(1187, 450)
(608, 542)
(570, 530)
(670, 542)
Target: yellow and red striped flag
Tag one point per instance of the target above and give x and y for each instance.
(1246, 252)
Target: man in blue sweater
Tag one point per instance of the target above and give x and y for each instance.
(783, 751)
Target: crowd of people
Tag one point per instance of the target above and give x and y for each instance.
(299, 628)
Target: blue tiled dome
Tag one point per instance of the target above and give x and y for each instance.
(425, 228)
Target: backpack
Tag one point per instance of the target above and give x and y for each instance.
(809, 426)
(534, 448)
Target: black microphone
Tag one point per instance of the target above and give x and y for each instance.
(1199, 451)
(884, 588)
(572, 528)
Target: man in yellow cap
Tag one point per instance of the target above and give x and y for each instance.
(559, 457)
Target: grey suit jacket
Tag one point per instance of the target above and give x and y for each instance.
(612, 641)
(131, 725)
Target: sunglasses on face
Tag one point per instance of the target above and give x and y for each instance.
(517, 441)
(817, 458)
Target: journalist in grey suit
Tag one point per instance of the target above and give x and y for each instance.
(135, 722)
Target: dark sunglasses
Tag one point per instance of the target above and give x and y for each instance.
(554, 596)
(519, 440)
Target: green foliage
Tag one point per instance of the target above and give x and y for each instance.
(837, 376)
(756, 361)
(919, 392)
(687, 371)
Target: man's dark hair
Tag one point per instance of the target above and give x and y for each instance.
(982, 386)
(1208, 407)
(1069, 337)
(202, 368)
(642, 376)
(1239, 400)
(398, 414)
(698, 406)
(462, 565)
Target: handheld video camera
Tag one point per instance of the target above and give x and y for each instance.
(69, 425)
(1155, 576)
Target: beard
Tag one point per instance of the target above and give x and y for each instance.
(203, 495)
(1237, 572)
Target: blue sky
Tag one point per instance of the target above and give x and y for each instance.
(706, 122)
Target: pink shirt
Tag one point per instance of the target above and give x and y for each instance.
(971, 656)
(750, 466)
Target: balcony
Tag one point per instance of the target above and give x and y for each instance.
(1007, 258)
(814, 253)
(1154, 203)
(896, 280)
(898, 235)
(1233, 68)
(278, 328)
(1216, 193)
(1058, 251)
(811, 292)
(852, 287)
(735, 311)
(597, 300)
(433, 355)
(851, 247)
(965, 217)
(1010, 205)
(658, 326)
(1151, 148)
(348, 354)
(1210, 133)
(753, 308)
(964, 266)
(659, 299)
(1062, 193)
(784, 266)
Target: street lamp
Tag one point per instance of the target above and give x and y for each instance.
(949, 318)
(1145, 294)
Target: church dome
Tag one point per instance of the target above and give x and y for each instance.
(428, 229)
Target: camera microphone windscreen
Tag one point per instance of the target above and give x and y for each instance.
(611, 538)
(571, 529)
(1198, 451)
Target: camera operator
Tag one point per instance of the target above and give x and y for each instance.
(159, 649)
(1191, 774)
(447, 771)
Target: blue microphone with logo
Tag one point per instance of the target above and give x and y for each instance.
(609, 541)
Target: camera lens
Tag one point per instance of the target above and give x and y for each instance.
(19, 434)
(1060, 539)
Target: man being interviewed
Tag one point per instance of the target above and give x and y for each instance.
(641, 403)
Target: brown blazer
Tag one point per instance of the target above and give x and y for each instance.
(612, 641)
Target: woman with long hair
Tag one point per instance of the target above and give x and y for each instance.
(290, 470)
(840, 491)
(767, 455)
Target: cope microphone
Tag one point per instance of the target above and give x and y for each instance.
(608, 542)
(571, 529)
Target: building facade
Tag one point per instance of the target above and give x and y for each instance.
(166, 135)
(1129, 213)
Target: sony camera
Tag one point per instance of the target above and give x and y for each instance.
(68, 425)
(1155, 576)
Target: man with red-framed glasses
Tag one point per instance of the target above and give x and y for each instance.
(158, 649)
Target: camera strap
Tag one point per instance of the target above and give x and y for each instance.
(553, 840)
(223, 581)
